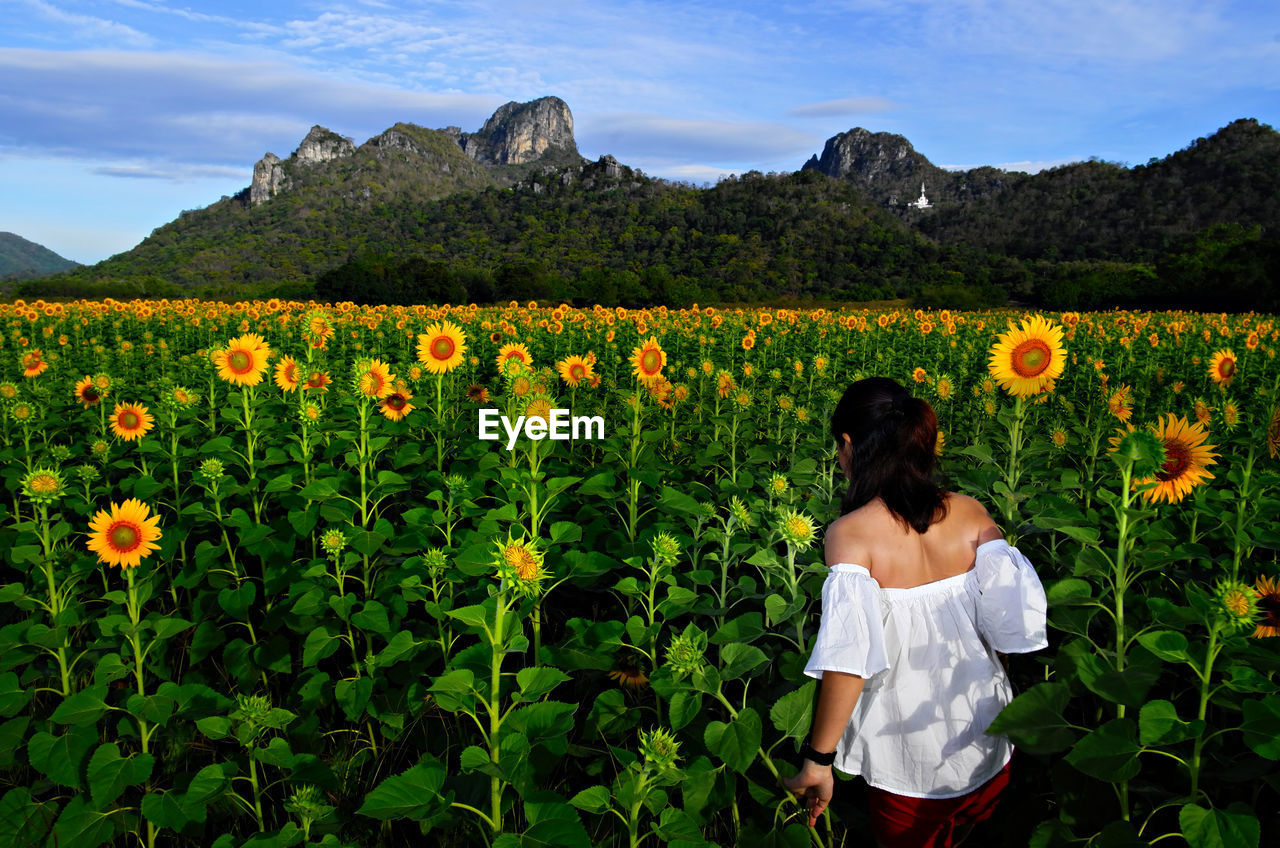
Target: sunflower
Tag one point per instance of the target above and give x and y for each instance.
(647, 360)
(124, 535)
(919, 375)
(1268, 604)
(131, 421)
(477, 393)
(1025, 358)
(1058, 436)
(288, 375)
(513, 350)
(244, 361)
(629, 673)
(1203, 412)
(520, 565)
(396, 405)
(374, 379)
(943, 387)
(573, 370)
(725, 384)
(33, 363)
(1222, 367)
(1186, 456)
(1118, 403)
(43, 485)
(539, 406)
(748, 341)
(317, 380)
(440, 348)
(87, 393)
(317, 328)
(796, 528)
(1230, 416)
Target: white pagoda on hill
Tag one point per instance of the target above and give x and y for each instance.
(921, 202)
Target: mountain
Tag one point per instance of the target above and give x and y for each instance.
(321, 205)
(1091, 210)
(512, 210)
(892, 172)
(21, 259)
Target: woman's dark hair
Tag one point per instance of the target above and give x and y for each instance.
(893, 436)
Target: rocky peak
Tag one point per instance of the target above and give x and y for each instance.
(323, 145)
(522, 132)
(268, 179)
(866, 157)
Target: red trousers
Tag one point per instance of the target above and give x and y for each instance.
(901, 822)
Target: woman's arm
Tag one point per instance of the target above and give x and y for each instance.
(838, 691)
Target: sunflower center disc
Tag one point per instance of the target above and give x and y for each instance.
(1227, 368)
(1031, 358)
(442, 348)
(124, 537)
(1177, 460)
(239, 361)
(130, 420)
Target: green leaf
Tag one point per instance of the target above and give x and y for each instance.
(215, 727)
(737, 742)
(736, 659)
(12, 696)
(1236, 827)
(236, 602)
(538, 681)
(1158, 724)
(352, 694)
(110, 774)
(454, 690)
(281, 483)
(1262, 726)
(372, 618)
(1109, 753)
(164, 809)
(80, 826)
(412, 794)
(319, 490)
(24, 821)
(209, 783)
(166, 628)
(401, 646)
(84, 707)
(593, 799)
(475, 615)
(792, 713)
(546, 722)
(1168, 645)
(1068, 591)
(685, 706)
(1034, 720)
(320, 643)
(60, 757)
(745, 628)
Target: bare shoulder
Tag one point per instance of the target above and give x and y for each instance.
(971, 517)
(848, 537)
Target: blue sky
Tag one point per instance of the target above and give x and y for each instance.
(116, 115)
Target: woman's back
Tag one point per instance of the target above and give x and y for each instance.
(900, 558)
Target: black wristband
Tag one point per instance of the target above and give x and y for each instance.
(808, 753)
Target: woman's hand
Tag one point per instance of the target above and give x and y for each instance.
(813, 785)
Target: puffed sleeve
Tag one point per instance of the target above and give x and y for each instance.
(1011, 603)
(851, 630)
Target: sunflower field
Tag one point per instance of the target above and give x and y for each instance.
(263, 584)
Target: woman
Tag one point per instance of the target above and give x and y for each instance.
(922, 597)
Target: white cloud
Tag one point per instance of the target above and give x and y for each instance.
(91, 28)
(200, 109)
(842, 107)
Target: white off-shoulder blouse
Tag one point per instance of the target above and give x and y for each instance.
(933, 680)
